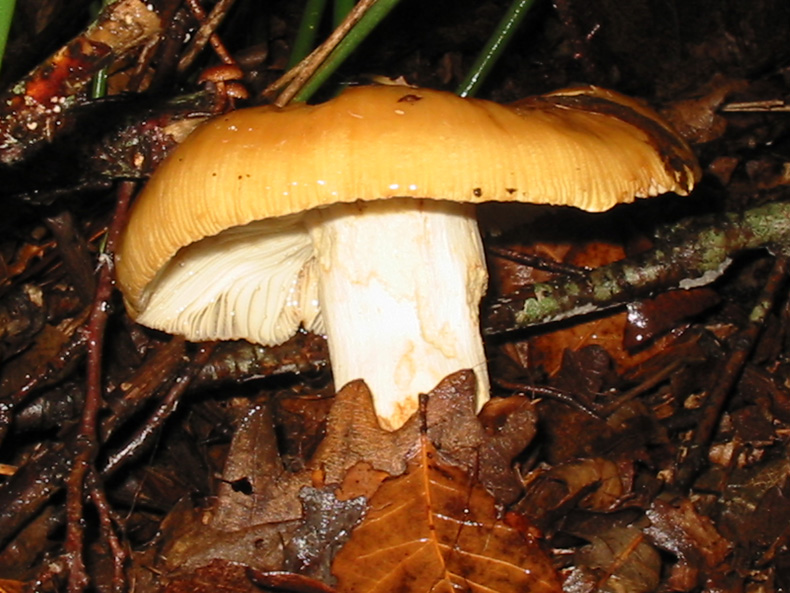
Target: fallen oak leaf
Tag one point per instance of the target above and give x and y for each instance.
(300, 519)
(435, 529)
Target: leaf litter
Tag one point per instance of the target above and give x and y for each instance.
(254, 476)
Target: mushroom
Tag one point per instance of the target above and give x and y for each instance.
(356, 218)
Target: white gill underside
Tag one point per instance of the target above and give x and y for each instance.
(400, 282)
(250, 282)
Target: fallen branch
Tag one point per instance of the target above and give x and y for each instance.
(690, 254)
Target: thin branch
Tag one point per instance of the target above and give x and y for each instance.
(690, 254)
(331, 53)
(695, 454)
(87, 439)
(207, 34)
(142, 439)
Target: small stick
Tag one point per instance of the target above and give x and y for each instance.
(742, 346)
(690, 254)
(206, 34)
(107, 522)
(310, 73)
(87, 439)
(537, 262)
(150, 429)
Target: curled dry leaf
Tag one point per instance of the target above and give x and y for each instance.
(433, 529)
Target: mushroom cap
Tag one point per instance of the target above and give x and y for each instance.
(583, 147)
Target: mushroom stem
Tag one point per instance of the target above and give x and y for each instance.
(400, 282)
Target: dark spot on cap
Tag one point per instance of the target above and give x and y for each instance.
(477, 192)
(409, 99)
(511, 190)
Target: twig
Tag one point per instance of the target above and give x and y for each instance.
(107, 522)
(159, 368)
(296, 77)
(206, 34)
(743, 344)
(26, 492)
(34, 111)
(340, 10)
(74, 349)
(659, 377)
(87, 438)
(690, 254)
(140, 441)
(331, 53)
(373, 14)
(548, 392)
(241, 361)
(537, 262)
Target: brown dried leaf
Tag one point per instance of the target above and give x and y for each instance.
(433, 529)
(219, 576)
(619, 559)
(9, 586)
(650, 318)
(594, 484)
(691, 536)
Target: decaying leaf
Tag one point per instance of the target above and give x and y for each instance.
(650, 318)
(692, 537)
(594, 484)
(271, 520)
(8, 586)
(433, 529)
(617, 560)
(323, 531)
(217, 577)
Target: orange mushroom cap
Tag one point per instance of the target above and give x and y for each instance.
(585, 147)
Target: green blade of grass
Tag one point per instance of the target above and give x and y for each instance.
(308, 29)
(494, 48)
(341, 9)
(6, 14)
(375, 14)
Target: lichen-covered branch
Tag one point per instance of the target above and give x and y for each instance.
(689, 254)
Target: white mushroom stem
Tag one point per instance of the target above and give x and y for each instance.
(400, 282)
